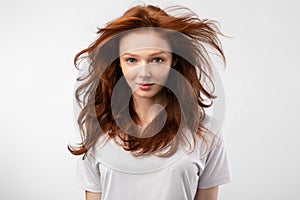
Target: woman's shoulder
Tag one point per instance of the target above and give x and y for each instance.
(212, 134)
(213, 124)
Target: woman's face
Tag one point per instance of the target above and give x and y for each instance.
(145, 59)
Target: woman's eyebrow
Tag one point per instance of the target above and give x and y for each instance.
(160, 52)
(153, 54)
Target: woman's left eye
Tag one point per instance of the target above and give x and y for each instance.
(130, 60)
(157, 60)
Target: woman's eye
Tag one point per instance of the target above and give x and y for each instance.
(157, 60)
(131, 60)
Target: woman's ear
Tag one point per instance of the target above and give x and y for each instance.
(119, 63)
(174, 62)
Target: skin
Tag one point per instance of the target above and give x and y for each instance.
(207, 194)
(145, 57)
(202, 194)
(92, 195)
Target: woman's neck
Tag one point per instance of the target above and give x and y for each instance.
(148, 108)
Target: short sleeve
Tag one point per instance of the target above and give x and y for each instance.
(87, 174)
(217, 167)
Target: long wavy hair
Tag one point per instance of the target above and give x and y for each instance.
(196, 39)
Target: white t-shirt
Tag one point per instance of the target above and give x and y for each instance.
(118, 175)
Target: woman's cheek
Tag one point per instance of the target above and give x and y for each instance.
(162, 75)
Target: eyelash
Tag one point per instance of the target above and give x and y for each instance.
(161, 60)
(128, 60)
(131, 60)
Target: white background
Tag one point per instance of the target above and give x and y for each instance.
(39, 40)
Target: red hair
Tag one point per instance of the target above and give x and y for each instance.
(96, 117)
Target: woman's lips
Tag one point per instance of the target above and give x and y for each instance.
(145, 86)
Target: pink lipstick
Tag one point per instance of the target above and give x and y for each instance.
(146, 86)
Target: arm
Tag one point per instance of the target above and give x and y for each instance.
(92, 195)
(207, 194)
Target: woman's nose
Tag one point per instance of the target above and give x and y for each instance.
(144, 70)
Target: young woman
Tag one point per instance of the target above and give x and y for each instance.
(143, 104)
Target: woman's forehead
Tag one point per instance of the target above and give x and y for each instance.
(143, 40)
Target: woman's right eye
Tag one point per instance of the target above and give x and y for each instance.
(130, 60)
